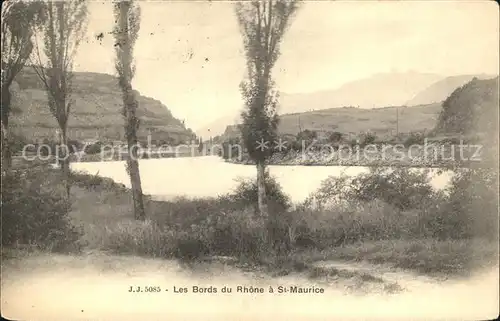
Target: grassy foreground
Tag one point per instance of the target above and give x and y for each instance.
(100, 219)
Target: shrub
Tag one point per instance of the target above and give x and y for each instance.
(401, 203)
(239, 233)
(401, 187)
(246, 193)
(50, 147)
(380, 204)
(140, 238)
(307, 135)
(294, 144)
(190, 247)
(228, 225)
(35, 215)
(368, 139)
(47, 148)
(414, 138)
(335, 137)
(95, 182)
(210, 226)
(74, 146)
(17, 143)
(93, 149)
(472, 206)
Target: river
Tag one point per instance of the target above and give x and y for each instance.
(209, 176)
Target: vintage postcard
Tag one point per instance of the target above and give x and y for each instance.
(252, 160)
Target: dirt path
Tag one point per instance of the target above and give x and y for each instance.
(95, 287)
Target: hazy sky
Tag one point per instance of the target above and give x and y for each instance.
(189, 53)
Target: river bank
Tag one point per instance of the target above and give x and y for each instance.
(96, 286)
(117, 252)
(418, 156)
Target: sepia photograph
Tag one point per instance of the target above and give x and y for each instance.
(250, 160)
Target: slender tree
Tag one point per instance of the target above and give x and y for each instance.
(62, 32)
(19, 20)
(263, 25)
(127, 17)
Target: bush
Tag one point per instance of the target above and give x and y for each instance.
(17, 143)
(381, 204)
(50, 147)
(74, 146)
(140, 238)
(34, 215)
(246, 193)
(368, 139)
(209, 226)
(335, 137)
(228, 225)
(307, 135)
(47, 148)
(95, 182)
(401, 187)
(472, 205)
(401, 203)
(93, 149)
(414, 138)
(239, 233)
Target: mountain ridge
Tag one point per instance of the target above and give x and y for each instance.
(96, 113)
(409, 83)
(351, 121)
(327, 99)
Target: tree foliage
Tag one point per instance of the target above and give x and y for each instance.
(62, 31)
(246, 193)
(471, 108)
(263, 25)
(126, 35)
(19, 21)
(400, 187)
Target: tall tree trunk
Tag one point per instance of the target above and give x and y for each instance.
(64, 161)
(263, 208)
(131, 126)
(6, 151)
(132, 160)
(261, 189)
(135, 179)
(130, 107)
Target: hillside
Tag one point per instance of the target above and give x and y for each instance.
(472, 108)
(438, 91)
(96, 113)
(381, 121)
(379, 90)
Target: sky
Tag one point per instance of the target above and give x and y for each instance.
(189, 54)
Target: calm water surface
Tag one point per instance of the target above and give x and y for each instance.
(209, 176)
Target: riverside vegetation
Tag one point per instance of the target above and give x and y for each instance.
(467, 117)
(383, 216)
